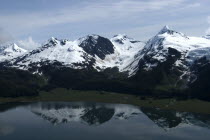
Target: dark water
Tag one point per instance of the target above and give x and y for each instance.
(95, 121)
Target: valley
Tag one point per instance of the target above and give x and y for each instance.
(104, 70)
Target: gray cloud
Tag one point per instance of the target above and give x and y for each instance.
(119, 16)
(208, 30)
(4, 36)
(28, 44)
(91, 11)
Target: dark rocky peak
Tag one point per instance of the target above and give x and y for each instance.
(96, 45)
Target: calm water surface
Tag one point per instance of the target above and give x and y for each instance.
(95, 121)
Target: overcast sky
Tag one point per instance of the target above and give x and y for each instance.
(71, 19)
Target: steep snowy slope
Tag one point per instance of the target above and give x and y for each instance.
(169, 43)
(63, 51)
(125, 49)
(10, 51)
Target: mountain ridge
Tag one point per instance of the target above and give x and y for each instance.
(120, 51)
(168, 63)
(82, 52)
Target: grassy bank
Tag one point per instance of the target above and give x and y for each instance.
(197, 106)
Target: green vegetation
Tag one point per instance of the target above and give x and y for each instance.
(61, 94)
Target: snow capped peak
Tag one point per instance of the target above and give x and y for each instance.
(16, 48)
(10, 51)
(168, 43)
(164, 29)
(10, 48)
(52, 41)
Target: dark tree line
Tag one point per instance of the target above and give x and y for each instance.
(14, 83)
(159, 82)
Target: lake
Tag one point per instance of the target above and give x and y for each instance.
(98, 121)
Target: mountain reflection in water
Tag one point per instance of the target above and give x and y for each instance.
(91, 114)
(113, 121)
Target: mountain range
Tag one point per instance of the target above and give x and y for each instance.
(169, 62)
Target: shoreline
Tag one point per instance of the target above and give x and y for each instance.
(64, 95)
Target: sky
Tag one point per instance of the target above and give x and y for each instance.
(31, 22)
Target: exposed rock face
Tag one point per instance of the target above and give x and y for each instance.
(97, 45)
